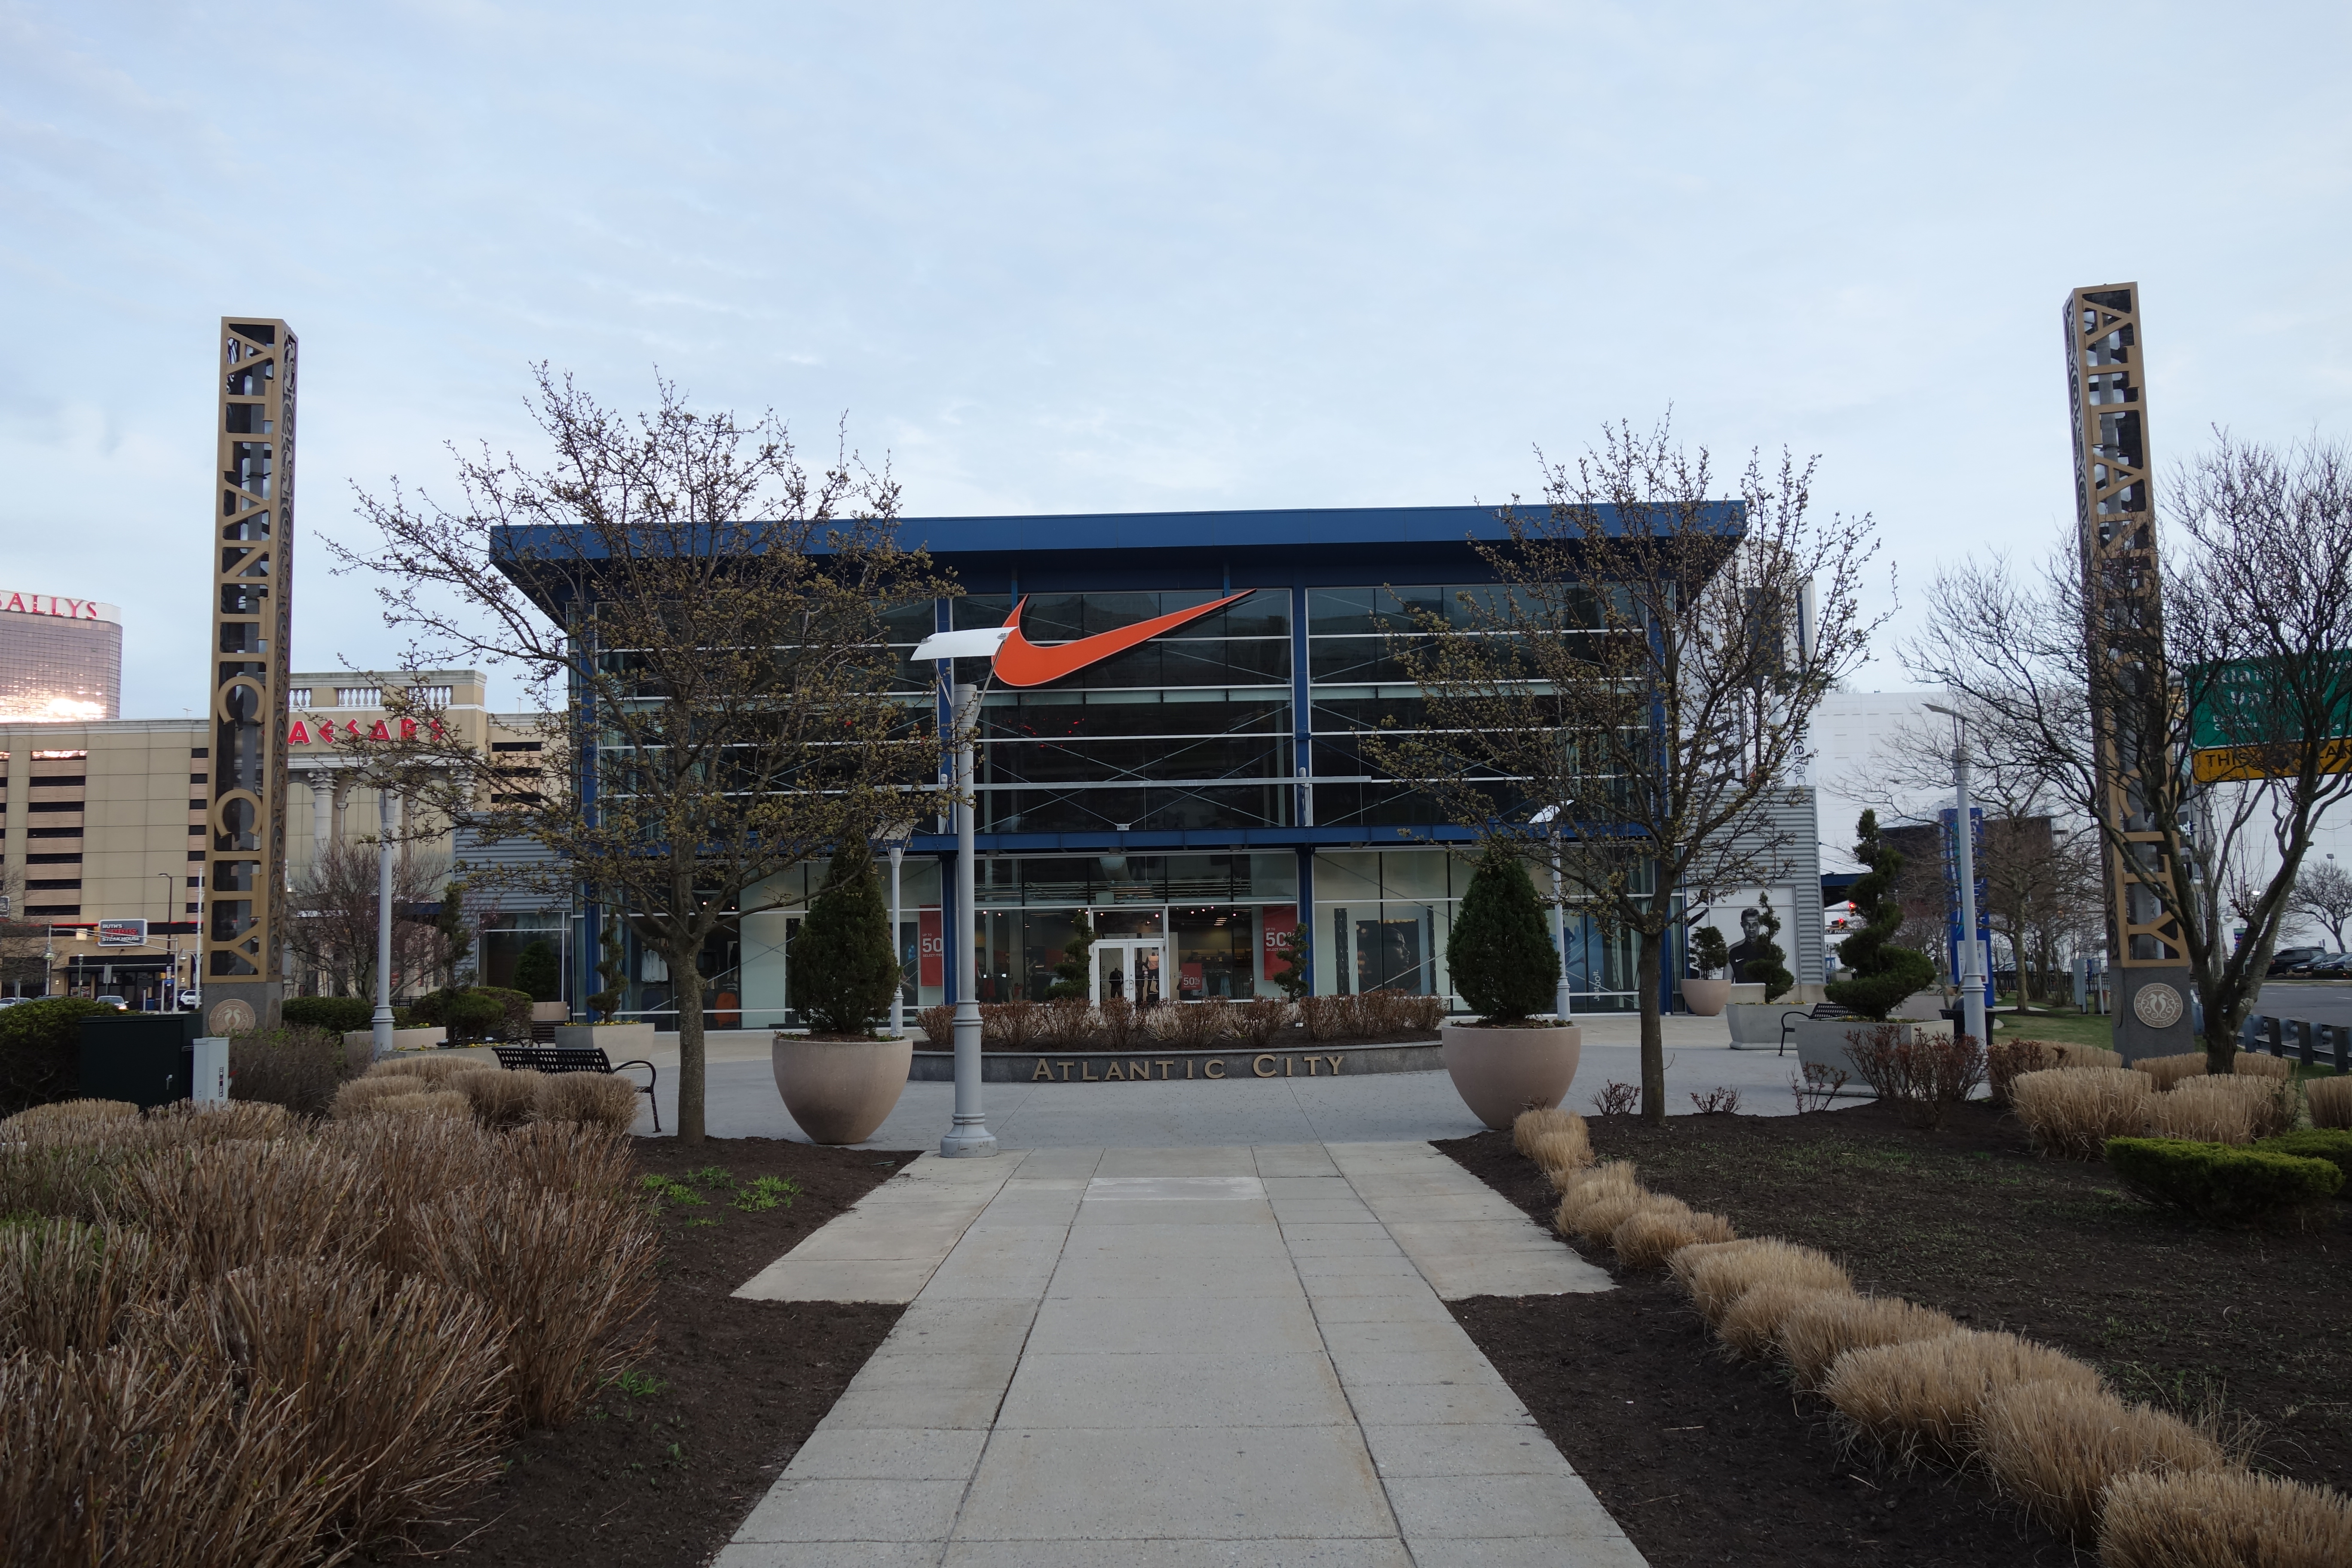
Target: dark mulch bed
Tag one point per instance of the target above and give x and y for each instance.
(662, 1476)
(1706, 1460)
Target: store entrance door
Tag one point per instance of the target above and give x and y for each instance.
(1128, 969)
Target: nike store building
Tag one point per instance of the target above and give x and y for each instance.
(1196, 787)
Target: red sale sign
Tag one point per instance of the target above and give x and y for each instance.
(1281, 919)
(931, 949)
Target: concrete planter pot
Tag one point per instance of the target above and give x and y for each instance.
(618, 1040)
(1500, 1072)
(1705, 998)
(1755, 1023)
(840, 1090)
(550, 1012)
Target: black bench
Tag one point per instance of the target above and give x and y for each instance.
(1819, 1012)
(577, 1059)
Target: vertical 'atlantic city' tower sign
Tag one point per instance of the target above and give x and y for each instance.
(252, 522)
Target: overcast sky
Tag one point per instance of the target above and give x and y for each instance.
(1074, 258)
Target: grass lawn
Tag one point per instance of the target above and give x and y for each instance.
(2072, 1028)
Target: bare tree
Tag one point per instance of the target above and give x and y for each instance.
(703, 622)
(333, 928)
(2237, 693)
(1647, 666)
(2323, 895)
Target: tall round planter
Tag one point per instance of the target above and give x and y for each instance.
(840, 1090)
(1705, 997)
(1500, 1072)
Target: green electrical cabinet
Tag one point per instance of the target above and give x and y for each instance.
(146, 1058)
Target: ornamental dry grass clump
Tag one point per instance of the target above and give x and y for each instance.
(564, 1274)
(67, 1114)
(2329, 1100)
(1598, 1183)
(2207, 1117)
(1921, 1398)
(503, 1099)
(2072, 1054)
(1649, 1237)
(2165, 1072)
(244, 1362)
(437, 1068)
(2222, 1519)
(2056, 1447)
(599, 1099)
(1535, 1119)
(2247, 1064)
(425, 1102)
(1750, 1326)
(1816, 1331)
(2072, 1111)
(1715, 1278)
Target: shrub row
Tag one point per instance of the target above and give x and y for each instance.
(2149, 1489)
(2072, 1111)
(1117, 1024)
(2222, 1184)
(229, 1336)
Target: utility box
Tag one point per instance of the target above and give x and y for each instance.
(208, 1080)
(143, 1058)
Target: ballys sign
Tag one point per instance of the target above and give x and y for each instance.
(323, 732)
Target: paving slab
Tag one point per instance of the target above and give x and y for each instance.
(1201, 1354)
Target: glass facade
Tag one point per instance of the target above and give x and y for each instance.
(1199, 795)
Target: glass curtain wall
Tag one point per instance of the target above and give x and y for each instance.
(1216, 913)
(1382, 918)
(1189, 731)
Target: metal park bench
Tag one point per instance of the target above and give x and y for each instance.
(1819, 1013)
(578, 1058)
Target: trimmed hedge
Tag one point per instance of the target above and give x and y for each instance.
(336, 1014)
(2333, 1144)
(2221, 1181)
(40, 1050)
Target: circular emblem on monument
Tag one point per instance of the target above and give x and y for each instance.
(2157, 1006)
(233, 1017)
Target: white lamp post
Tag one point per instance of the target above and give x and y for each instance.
(897, 833)
(1561, 1001)
(382, 1021)
(1972, 978)
(970, 1135)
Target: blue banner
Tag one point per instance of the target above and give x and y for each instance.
(1948, 818)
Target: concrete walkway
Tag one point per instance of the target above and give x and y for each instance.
(1235, 1355)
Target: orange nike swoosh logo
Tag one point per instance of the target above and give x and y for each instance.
(1020, 662)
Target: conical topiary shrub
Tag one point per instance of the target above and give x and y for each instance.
(1502, 961)
(538, 971)
(1884, 975)
(843, 966)
(1769, 964)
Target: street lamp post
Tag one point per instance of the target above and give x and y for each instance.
(382, 1021)
(897, 833)
(169, 1001)
(1561, 1001)
(1972, 978)
(970, 1136)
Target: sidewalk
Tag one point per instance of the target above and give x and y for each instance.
(1238, 1356)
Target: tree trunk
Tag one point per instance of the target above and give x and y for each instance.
(685, 993)
(1653, 1035)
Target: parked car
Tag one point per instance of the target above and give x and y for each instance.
(117, 1003)
(2283, 960)
(2335, 966)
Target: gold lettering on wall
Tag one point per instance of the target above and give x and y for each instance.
(1139, 1069)
(1262, 1067)
(1044, 1070)
(1087, 1073)
(1165, 1066)
(1111, 1073)
(1214, 1068)
(1334, 1065)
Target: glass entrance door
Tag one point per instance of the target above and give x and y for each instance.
(1129, 970)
